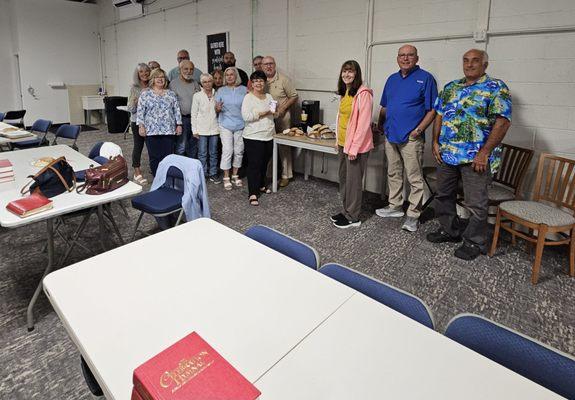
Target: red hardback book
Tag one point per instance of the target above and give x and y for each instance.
(5, 165)
(30, 205)
(192, 370)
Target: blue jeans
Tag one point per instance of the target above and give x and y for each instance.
(187, 144)
(209, 145)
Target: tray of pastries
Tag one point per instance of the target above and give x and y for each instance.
(319, 131)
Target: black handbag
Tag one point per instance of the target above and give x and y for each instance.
(55, 178)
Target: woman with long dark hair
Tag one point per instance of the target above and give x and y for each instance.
(140, 83)
(354, 141)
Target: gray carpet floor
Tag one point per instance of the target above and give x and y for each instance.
(44, 364)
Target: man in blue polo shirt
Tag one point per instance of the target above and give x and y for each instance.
(406, 111)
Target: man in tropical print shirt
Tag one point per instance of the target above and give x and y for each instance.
(473, 116)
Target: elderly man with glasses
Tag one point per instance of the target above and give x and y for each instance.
(407, 110)
(283, 91)
(175, 72)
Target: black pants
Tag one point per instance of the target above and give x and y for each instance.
(259, 154)
(138, 146)
(475, 186)
(159, 146)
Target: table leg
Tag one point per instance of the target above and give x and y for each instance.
(113, 221)
(49, 267)
(275, 168)
(102, 227)
(306, 164)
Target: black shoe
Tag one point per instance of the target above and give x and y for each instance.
(336, 217)
(215, 179)
(344, 223)
(468, 251)
(440, 236)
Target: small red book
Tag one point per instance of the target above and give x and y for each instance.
(5, 165)
(30, 205)
(192, 370)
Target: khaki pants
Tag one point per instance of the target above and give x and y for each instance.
(406, 157)
(351, 183)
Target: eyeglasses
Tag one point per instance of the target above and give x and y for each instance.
(409, 55)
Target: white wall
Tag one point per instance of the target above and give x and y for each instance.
(8, 86)
(311, 38)
(56, 41)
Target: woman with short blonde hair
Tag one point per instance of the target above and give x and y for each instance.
(159, 118)
(205, 127)
(231, 123)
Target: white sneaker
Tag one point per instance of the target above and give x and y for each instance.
(411, 224)
(389, 212)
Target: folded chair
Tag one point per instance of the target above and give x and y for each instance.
(534, 360)
(550, 211)
(15, 118)
(285, 244)
(39, 127)
(68, 132)
(164, 201)
(397, 299)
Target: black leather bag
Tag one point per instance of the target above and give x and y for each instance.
(55, 178)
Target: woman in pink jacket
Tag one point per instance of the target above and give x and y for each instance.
(354, 141)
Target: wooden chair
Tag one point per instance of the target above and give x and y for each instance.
(553, 193)
(509, 178)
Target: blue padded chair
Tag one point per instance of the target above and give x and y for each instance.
(284, 244)
(402, 302)
(163, 201)
(15, 118)
(68, 132)
(535, 361)
(38, 127)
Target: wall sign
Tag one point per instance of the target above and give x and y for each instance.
(217, 46)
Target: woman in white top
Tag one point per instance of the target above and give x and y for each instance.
(258, 134)
(205, 127)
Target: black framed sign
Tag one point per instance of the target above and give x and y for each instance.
(217, 46)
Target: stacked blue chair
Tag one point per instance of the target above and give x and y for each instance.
(521, 354)
(284, 244)
(68, 132)
(402, 302)
(41, 126)
(163, 201)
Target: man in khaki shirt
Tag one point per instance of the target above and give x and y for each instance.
(283, 91)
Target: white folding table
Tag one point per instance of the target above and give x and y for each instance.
(8, 141)
(368, 351)
(65, 203)
(300, 142)
(251, 303)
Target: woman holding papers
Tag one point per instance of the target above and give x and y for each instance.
(257, 110)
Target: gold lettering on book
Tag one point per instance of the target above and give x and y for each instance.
(187, 369)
